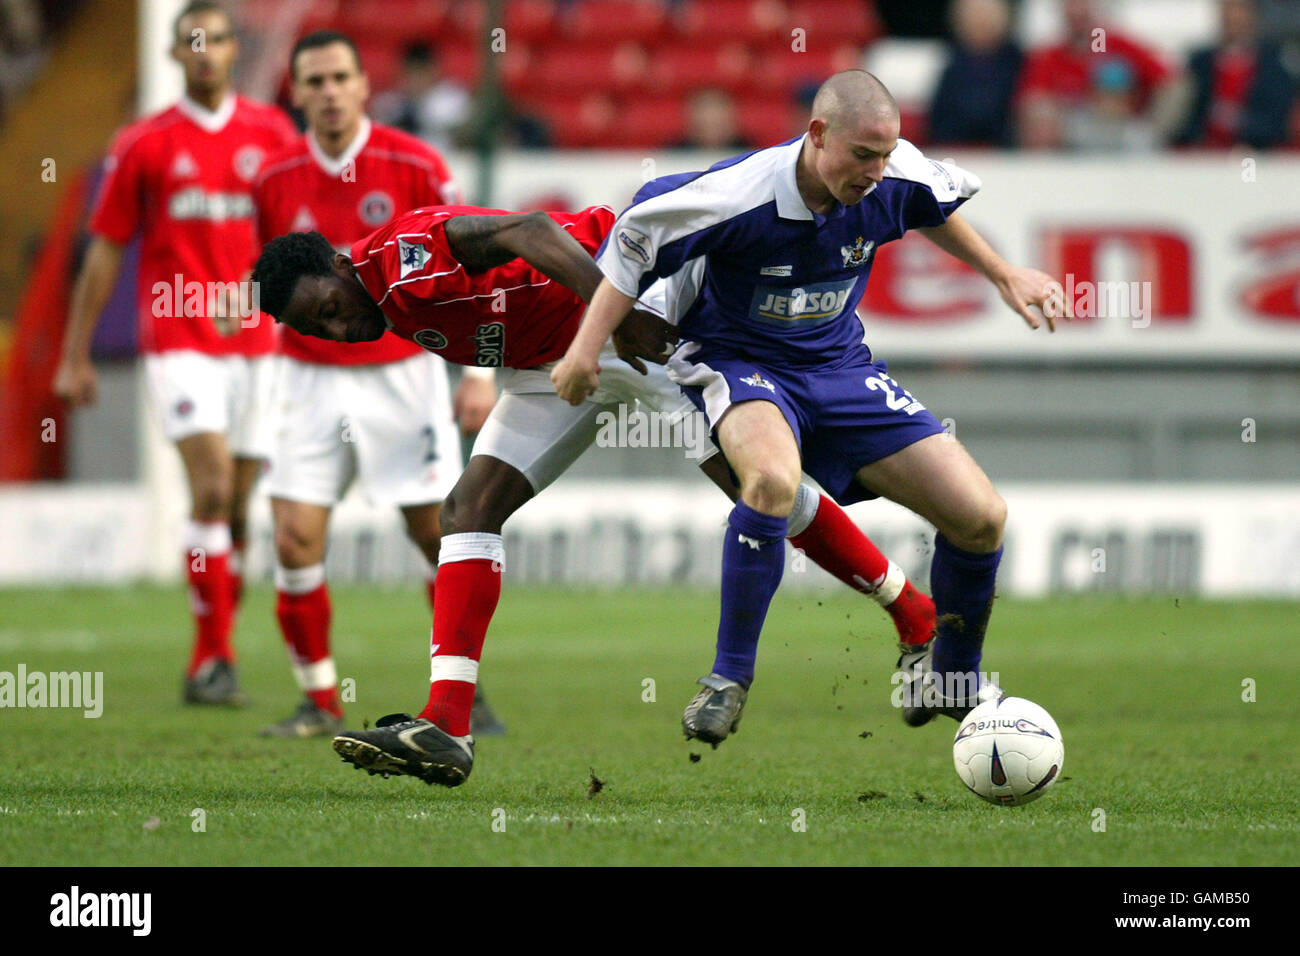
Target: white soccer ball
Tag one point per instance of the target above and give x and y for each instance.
(1008, 751)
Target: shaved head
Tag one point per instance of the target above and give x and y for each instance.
(849, 98)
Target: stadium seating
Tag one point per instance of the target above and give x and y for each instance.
(644, 56)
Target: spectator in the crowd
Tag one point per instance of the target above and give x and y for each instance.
(712, 123)
(1109, 121)
(1065, 77)
(972, 104)
(424, 103)
(21, 51)
(1241, 92)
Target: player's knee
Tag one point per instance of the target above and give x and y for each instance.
(477, 511)
(295, 547)
(770, 490)
(213, 497)
(982, 532)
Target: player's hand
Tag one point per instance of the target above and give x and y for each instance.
(472, 403)
(643, 335)
(76, 383)
(575, 379)
(224, 310)
(1023, 288)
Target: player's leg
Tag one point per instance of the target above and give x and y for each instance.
(764, 454)
(250, 395)
(528, 441)
(303, 611)
(193, 394)
(938, 479)
(209, 471)
(247, 471)
(311, 468)
(821, 530)
(424, 528)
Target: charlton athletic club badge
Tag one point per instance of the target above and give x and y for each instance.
(247, 160)
(376, 208)
(857, 253)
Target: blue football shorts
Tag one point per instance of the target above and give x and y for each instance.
(843, 417)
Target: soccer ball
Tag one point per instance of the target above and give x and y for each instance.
(1008, 751)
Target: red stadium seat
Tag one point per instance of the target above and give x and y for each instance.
(613, 20)
(766, 120)
(780, 69)
(575, 69)
(650, 121)
(682, 67)
(526, 21)
(600, 120)
(397, 22)
(834, 22)
(382, 63)
(743, 20)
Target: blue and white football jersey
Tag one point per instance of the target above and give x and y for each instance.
(749, 268)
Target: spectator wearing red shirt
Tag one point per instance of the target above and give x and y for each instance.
(1069, 75)
(1241, 92)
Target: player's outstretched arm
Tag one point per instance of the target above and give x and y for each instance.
(578, 374)
(75, 381)
(1020, 287)
(485, 242)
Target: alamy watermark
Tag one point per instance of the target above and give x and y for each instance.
(939, 690)
(1101, 300)
(83, 690)
(638, 428)
(216, 300)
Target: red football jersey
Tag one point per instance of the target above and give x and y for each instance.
(511, 316)
(183, 179)
(382, 173)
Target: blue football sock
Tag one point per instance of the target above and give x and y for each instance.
(753, 558)
(961, 584)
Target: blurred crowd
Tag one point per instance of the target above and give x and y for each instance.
(1096, 89)
(706, 73)
(1093, 89)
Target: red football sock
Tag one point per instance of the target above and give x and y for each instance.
(469, 586)
(834, 542)
(429, 588)
(913, 614)
(303, 609)
(207, 555)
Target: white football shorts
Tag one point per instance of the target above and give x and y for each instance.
(389, 427)
(194, 392)
(534, 430)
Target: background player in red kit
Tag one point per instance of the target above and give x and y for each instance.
(490, 288)
(182, 178)
(379, 412)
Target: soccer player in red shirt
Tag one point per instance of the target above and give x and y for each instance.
(489, 288)
(379, 413)
(182, 178)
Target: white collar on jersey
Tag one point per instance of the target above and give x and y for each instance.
(789, 204)
(211, 120)
(335, 167)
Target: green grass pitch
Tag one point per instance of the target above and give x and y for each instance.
(1148, 694)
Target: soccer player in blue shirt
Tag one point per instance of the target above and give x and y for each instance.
(766, 256)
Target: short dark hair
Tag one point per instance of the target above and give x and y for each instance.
(284, 261)
(318, 39)
(198, 6)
